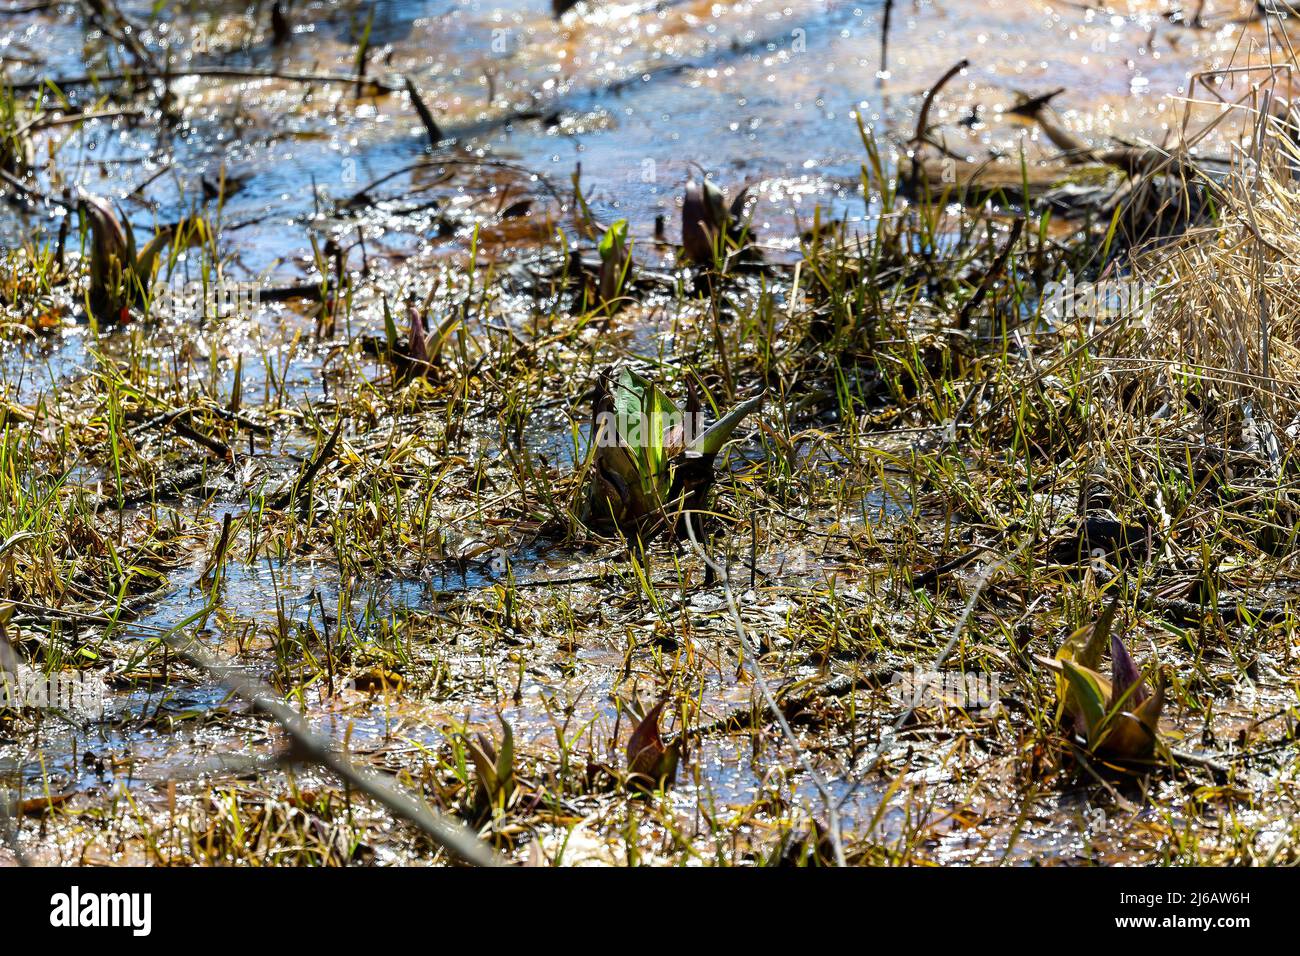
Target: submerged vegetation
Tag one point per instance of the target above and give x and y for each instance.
(407, 524)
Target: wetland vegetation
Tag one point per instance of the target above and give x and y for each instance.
(648, 433)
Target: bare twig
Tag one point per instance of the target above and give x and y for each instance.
(312, 747)
(884, 37)
(923, 119)
(430, 125)
(214, 72)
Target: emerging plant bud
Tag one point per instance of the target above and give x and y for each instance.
(650, 762)
(651, 460)
(417, 342)
(112, 250)
(119, 279)
(709, 225)
(615, 264)
(493, 768)
(1117, 718)
(704, 219)
(418, 354)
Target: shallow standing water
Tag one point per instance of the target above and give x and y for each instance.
(635, 96)
(638, 94)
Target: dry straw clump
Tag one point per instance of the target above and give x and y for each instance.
(1218, 342)
(1194, 394)
(1226, 304)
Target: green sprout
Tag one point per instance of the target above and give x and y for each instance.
(648, 461)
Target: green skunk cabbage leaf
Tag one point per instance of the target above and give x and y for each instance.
(614, 239)
(390, 327)
(1088, 694)
(710, 442)
(1090, 656)
(1084, 648)
(192, 232)
(615, 261)
(1085, 645)
(644, 414)
(440, 336)
(1119, 717)
(642, 458)
(494, 769)
(615, 456)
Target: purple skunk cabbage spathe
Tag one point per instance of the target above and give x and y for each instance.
(494, 768)
(417, 342)
(119, 277)
(706, 217)
(650, 762)
(421, 353)
(1118, 718)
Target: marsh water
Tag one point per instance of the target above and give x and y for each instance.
(628, 97)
